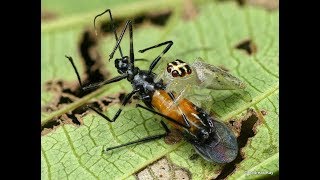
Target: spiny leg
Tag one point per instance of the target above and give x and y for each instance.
(144, 140)
(112, 26)
(124, 102)
(128, 23)
(94, 85)
(157, 59)
(187, 125)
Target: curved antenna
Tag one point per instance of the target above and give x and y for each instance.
(112, 26)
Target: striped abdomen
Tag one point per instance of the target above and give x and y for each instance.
(164, 104)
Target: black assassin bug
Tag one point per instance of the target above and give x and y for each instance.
(213, 140)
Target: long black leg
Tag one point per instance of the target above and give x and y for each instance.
(157, 59)
(75, 69)
(112, 26)
(94, 85)
(141, 59)
(109, 81)
(167, 117)
(124, 102)
(143, 140)
(128, 23)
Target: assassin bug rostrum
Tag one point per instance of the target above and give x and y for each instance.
(213, 140)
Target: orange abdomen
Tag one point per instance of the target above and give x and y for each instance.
(162, 102)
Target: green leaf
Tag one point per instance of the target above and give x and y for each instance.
(75, 152)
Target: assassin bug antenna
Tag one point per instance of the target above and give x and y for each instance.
(131, 55)
(112, 26)
(157, 59)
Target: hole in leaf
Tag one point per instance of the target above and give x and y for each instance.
(67, 92)
(50, 124)
(121, 96)
(247, 131)
(239, 2)
(157, 19)
(74, 119)
(105, 26)
(94, 67)
(160, 18)
(248, 46)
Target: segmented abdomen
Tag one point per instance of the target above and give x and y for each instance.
(163, 103)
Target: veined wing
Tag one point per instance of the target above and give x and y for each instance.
(212, 77)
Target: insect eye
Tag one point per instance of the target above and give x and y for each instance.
(175, 73)
(125, 59)
(116, 62)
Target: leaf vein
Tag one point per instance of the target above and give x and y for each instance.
(47, 162)
(76, 154)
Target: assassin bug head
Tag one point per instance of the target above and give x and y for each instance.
(125, 64)
(122, 64)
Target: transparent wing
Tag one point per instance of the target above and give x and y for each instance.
(212, 77)
(160, 68)
(203, 76)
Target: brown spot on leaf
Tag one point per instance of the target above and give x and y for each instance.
(223, 68)
(232, 122)
(264, 112)
(247, 45)
(47, 15)
(190, 11)
(247, 130)
(267, 4)
(163, 169)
